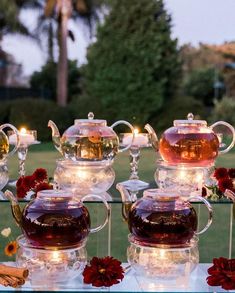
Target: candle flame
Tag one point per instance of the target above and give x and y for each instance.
(55, 255)
(182, 174)
(162, 253)
(136, 131)
(199, 178)
(23, 130)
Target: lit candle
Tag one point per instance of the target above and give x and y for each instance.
(26, 137)
(140, 139)
(56, 256)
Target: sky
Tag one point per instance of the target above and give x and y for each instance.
(194, 21)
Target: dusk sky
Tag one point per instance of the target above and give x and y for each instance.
(194, 21)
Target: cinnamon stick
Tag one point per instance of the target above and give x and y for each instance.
(21, 273)
(3, 282)
(21, 281)
(11, 282)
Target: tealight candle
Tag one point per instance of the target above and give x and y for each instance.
(140, 139)
(56, 256)
(26, 137)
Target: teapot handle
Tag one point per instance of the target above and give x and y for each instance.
(210, 211)
(108, 211)
(132, 130)
(17, 137)
(233, 133)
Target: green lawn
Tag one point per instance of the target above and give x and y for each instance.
(213, 243)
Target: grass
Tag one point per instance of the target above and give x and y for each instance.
(214, 243)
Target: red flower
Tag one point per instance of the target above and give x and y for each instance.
(21, 192)
(105, 271)
(43, 186)
(204, 192)
(225, 183)
(220, 173)
(19, 182)
(28, 182)
(40, 174)
(231, 173)
(36, 182)
(222, 273)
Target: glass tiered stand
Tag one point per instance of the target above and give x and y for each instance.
(112, 240)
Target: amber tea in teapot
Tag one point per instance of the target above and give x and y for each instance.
(191, 142)
(189, 148)
(4, 141)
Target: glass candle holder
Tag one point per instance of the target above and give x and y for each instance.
(84, 177)
(141, 140)
(163, 266)
(26, 138)
(182, 177)
(55, 266)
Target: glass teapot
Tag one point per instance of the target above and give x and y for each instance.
(4, 142)
(190, 141)
(89, 139)
(162, 217)
(55, 219)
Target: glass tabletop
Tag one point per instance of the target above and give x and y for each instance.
(112, 195)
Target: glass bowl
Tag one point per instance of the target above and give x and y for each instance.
(84, 177)
(54, 266)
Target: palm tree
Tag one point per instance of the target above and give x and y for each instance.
(62, 11)
(10, 22)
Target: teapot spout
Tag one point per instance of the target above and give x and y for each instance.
(15, 207)
(55, 135)
(153, 136)
(126, 201)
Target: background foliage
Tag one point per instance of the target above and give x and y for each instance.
(224, 110)
(35, 114)
(45, 79)
(134, 66)
(200, 85)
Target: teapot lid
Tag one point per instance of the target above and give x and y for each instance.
(166, 195)
(53, 195)
(190, 121)
(90, 121)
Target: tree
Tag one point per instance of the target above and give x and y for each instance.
(62, 11)
(133, 68)
(200, 85)
(10, 22)
(45, 80)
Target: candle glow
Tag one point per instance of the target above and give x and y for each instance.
(23, 130)
(140, 139)
(55, 255)
(26, 137)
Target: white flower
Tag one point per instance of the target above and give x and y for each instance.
(6, 232)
